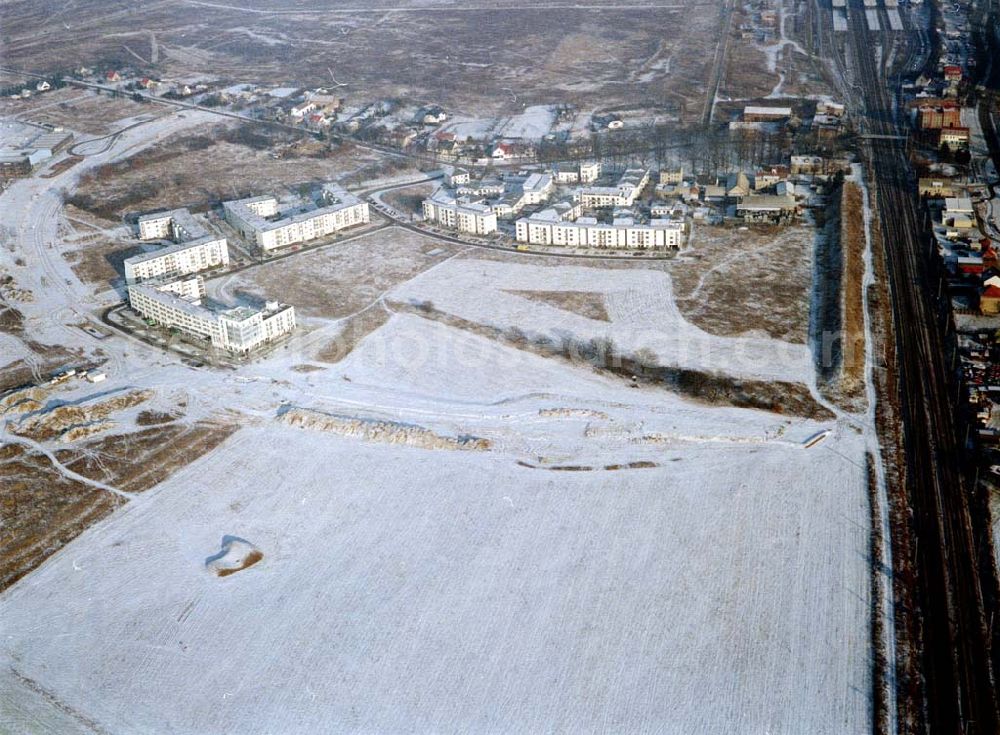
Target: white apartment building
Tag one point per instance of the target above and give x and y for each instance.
(258, 218)
(549, 228)
(464, 216)
(590, 171)
(623, 194)
(481, 189)
(456, 176)
(194, 249)
(238, 330)
(536, 189)
(675, 176)
(586, 172)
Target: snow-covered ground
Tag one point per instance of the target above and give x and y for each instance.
(532, 124)
(640, 304)
(719, 584)
(405, 590)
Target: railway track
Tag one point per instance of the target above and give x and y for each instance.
(959, 692)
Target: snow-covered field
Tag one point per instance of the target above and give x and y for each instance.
(405, 590)
(532, 124)
(721, 587)
(640, 303)
(618, 559)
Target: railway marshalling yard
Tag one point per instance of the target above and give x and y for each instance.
(421, 512)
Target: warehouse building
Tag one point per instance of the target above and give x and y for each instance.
(766, 208)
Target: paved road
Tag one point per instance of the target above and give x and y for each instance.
(959, 691)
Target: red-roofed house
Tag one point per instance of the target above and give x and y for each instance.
(989, 301)
(953, 73)
(501, 151)
(113, 76)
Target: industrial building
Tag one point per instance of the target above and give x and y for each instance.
(18, 162)
(258, 218)
(194, 249)
(766, 208)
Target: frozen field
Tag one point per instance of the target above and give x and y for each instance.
(405, 590)
(599, 558)
(640, 304)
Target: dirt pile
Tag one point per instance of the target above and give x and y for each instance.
(76, 420)
(575, 413)
(235, 555)
(384, 432)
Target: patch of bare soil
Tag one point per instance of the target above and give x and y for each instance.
(79, 110)
(95, 256)
(138, 461)
(41, 510)
(248, 561)
(746, 74)
(61, 167)
(11, 320)
(345, 277)
(355, 329)
(589, 304)
(307, 368)
(549, 50)
(732, 282)
(44, 360)
(852, 371)
(57, 422)
(155, 418)
(385, 432)
(409, 199)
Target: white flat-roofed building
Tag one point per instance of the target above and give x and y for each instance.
(194, 248)
(586, 172)
(624, 194)
(456, 176)
(465, 216)
(590, 171)
(566, 173)
(674, 176)
(257, 218)
(238, 330)
(958, 205)
(548, 227)
(481, 189)
(536, 188)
